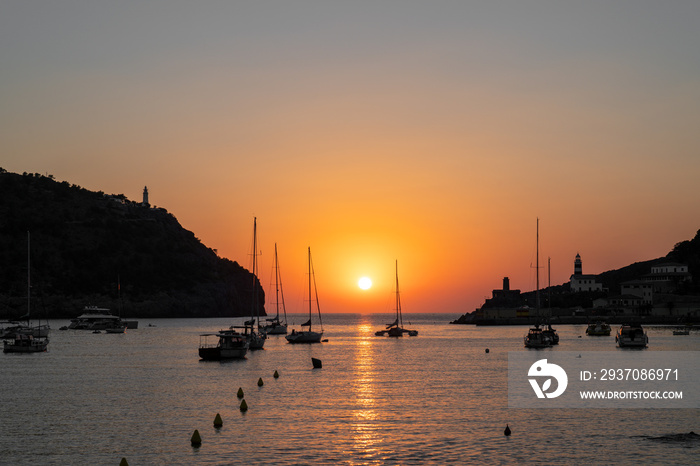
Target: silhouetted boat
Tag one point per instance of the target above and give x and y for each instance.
(552, 334)
(682, 331)
(274, 326)
(309, 336)
(598, 329)
(230, 345)
(26, 338)
(395, 329)
(631, 336)
(536, 338)
(256, 339)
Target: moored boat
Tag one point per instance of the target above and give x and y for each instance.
(598, 329)
(308, 336)
(631, 336)
(230, 345)
(274, 325)
(395, 329)
(25, 344)
(536, 338)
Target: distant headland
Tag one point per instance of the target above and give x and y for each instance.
(90, 248)
(665, 290)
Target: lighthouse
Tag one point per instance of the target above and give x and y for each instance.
(145, 196)
(578, 267)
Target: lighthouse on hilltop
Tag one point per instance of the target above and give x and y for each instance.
(145, 196)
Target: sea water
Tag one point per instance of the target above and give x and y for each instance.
(436, 398)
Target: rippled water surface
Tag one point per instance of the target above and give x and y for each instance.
(432, 399)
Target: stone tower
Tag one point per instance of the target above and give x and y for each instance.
(145, 195)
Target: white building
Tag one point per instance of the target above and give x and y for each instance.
(580, 282)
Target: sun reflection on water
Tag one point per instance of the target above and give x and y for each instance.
(364, 417)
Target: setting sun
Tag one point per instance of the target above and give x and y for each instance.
(365, 283)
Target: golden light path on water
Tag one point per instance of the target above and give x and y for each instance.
(365, 435)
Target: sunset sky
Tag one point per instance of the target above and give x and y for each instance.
(434, 133)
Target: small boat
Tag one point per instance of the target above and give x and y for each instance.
(536, 338)
(395, 329)
(25, 344)
(274, 326)
(230, 345)
(308, 336)
(598, 329)
(631, 336)
(682, 331)
(119, 327)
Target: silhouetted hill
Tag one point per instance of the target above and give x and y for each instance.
(84, 243)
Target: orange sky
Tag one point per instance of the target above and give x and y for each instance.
(432, 134)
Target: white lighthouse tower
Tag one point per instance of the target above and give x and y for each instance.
(145, 196)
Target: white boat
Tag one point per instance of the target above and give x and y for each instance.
(274, 326)
(537, 338)
(26, 338)
(309, 336)
(396, 329)
(230, 345)
(598, 329)
(682, 331)
(631, 336)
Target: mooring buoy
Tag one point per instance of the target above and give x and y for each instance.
(196, 440)
(260, 382)
(487, 350)
(317, 363)
(244, 406)
(506, 432)
(217, 421)
(240, 392)
(123, 462)
(276, 375)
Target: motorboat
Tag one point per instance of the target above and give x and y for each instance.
(94, 318)
(309, 336)
(598, 329)
(229, 345)
(682, 331)
(537, 338)
(25, 344)
(631, 336)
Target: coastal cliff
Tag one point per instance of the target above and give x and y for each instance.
(89, 248)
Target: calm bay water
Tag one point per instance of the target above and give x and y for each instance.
(433, 399)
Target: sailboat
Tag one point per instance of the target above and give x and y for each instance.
(274, 326)
(537, 337)
(395, 329)
(308, 336)
(27, 339)
(256, 340)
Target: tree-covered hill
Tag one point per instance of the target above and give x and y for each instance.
(88, 248)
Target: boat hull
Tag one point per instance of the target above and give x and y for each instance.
(25, 344)
(304, 337)
(218, 354)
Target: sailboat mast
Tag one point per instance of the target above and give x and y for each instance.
(399, 317)
(537, 267)
(310, 289)
(277, 286)
(29, 283)
(318, 306)
(254, 310)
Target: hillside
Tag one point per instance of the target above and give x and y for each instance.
(85, 244)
